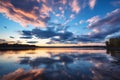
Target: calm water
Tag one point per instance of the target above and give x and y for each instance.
(60, 64)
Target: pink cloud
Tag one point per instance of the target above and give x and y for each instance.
(36, 16)
(45, 10)
(92, 3)
(64, 1)
(38, 12)
(75, 6)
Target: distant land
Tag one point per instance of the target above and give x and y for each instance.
(113, 43)
(6, 46)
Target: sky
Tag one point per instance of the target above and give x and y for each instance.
(55, 22)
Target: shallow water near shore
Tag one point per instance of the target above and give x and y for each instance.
(59, 63)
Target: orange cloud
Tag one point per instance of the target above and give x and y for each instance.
(45, 10)
(23, 17)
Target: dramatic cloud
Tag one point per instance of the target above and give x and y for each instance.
(26, 12)
(108, 25)
(92, 3)
(112, 19)
(57, 36)
(44, 34)
(39, 12)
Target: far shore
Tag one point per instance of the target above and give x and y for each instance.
(32, 47)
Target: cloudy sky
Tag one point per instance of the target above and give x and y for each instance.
(59, 21)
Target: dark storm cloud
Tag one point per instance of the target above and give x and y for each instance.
(106, 26)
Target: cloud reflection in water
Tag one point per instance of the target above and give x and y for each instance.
(66, 66)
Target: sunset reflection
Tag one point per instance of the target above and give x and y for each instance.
(56, 64)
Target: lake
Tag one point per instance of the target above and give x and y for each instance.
(60, 64)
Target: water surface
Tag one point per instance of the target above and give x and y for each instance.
(58, 63)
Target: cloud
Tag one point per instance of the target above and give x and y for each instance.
(106, 26)
(115, 35)
(115, 3)
(72, 16)
(92, 3)
(64, 1)
(11, 37)
(38, 33)
(19, 73)
(39, 12)
(75, 6)
(112, 18)
(25, 33)
(60, 67)
(26, 12)
(93, 20)
(32, 42)
(81, 21)
(26, 37)
(2, 40)
(44, 34)
(57, 35)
